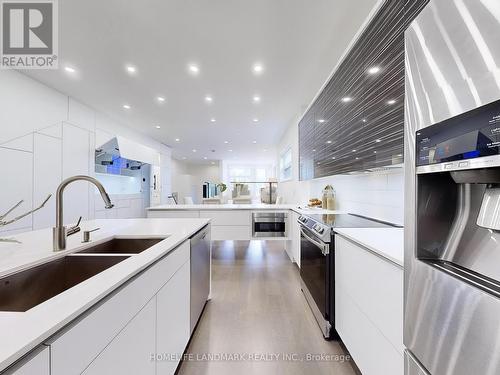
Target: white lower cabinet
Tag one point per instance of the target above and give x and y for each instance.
(369, 308)
(35, 363)
(173, 321)
(130, 353)
(121, 333)
(292, 245)
(173, 214)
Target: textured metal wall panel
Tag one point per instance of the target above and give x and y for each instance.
(338, 136)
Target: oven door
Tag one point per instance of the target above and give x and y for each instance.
(315, 273)
(269, 225)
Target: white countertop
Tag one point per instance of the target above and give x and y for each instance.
(23, 331)
(386, 242)
(301, 209)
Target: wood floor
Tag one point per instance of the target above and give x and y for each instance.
(257, 308)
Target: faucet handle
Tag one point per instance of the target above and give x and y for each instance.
(75, 228)
(86, 234)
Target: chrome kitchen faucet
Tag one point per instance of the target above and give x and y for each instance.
(60, 232)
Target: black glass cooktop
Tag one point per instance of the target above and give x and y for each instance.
(347, 221)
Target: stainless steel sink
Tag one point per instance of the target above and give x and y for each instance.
(23, 290)
(122, 246)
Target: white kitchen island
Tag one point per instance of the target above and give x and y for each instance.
(117, 321)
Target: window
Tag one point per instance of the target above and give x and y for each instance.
(249, 174)
(286, 165)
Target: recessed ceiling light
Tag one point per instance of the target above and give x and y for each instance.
(333, 157)
(131, 69)
(321, 120)
(126, 106)
(346, 99)
(230, 150)
(158, 127)
(212, 120)
(255, 120)
(194, 150)
(205, 158)
(357, 158)
(374, 152)
(69, 69)
(209, 99)
(193, 69)
(177, 140)
(213, 162)
(374, 70)
(364, 120)
(318, 163)
(226, 142)
(161, 99)
(258, 68)
(314, 150)
(353, 150)
(328, 142)
(254, 141)
(378, 140)
(400, 155)
(256, 99)
(391, 102)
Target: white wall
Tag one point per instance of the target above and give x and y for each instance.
(188, 178)
(378, 194)
(47, 136)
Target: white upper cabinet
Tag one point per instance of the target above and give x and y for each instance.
(28, 105)
(81, 115)
(17, 184)
(75, 160)
(47, 176)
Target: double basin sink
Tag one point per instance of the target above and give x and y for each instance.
(25, 289)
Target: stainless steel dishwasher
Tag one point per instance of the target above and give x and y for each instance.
(200, 273)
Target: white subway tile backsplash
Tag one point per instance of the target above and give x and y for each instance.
(378, 195)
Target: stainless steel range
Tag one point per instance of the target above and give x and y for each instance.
(317, 262)
(452, 189)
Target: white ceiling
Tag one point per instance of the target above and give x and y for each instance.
(297, 41)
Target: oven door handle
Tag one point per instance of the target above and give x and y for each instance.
(325, 249)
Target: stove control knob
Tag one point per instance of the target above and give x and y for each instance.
(302, 219)
(318, 228)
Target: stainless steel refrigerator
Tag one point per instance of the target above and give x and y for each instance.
(452, 189)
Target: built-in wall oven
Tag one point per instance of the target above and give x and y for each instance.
(317, 263)
(269, 224)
